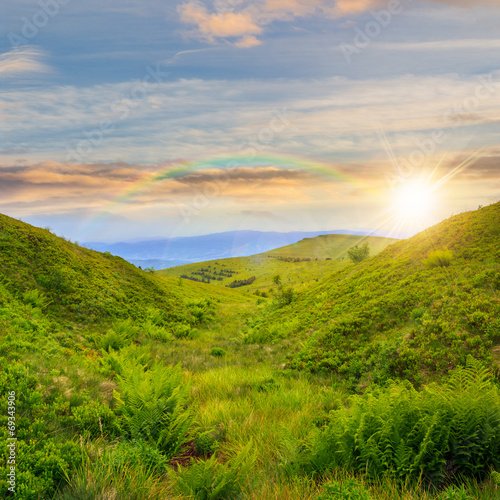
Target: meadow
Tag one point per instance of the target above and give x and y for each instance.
(369, 380)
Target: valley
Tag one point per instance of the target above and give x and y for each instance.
(368, 380)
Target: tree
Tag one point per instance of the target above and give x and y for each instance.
(358, 253)
(285, 295)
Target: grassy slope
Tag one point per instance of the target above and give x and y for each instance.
(67, 418)
(298, 274)
(57, 301)
(394, 316)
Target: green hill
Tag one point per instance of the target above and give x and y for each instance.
(65, 314)
(120, 383)
(414, 311)
(74, 281)
(300, 264)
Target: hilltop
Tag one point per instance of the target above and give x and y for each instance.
(414, 311)
(189, 249)
(299, 264)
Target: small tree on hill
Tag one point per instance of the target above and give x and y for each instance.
(285, 295)
(358, 253)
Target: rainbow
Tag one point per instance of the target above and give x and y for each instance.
(180, 168)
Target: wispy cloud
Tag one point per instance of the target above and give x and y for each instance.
(195, 118)
(24, 61)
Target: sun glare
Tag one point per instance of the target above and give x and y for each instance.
(413, 203)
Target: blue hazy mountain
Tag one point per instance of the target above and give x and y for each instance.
(169, 252)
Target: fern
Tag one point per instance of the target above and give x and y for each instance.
(152, 406)
(211, 480)
(436, 434)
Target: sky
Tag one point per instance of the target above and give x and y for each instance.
(129, 119)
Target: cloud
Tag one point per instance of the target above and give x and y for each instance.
(58, 187)
(196, 119)
(247, 42)
(348, 7)
(239, 20)
(23, 61)
(212, 26)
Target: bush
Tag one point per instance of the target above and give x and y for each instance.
(452, 493)
(218, 352)
(437, 434)
(201, 310)
(183, 331)
(155, 332)
(34, 298)
(205, 443)
(439, 258)
(125, 472)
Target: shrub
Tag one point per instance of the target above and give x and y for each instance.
(496, 281)
(183, 331)
(284, 296)
(34, 298)
(122, 472)
(205, 443)
(218, 352)
(439, 258)
(452, 493)
(201, 310)
(436, 434)
(155, 332)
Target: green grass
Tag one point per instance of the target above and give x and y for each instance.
(395, 317)
(326, 254)
(89, 344)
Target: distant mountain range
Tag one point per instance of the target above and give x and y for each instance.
(170, 252)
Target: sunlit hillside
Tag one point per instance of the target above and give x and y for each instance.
(299, 264)
(378, 381)
(414, 311)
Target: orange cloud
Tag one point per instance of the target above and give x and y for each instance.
(220, 25)
(346, 7)
(247, 42)
(250, 20)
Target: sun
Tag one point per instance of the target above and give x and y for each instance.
(414, 201)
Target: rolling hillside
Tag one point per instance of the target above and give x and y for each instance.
(189, 249)
(414, 311)
(120, 383)
(299, 264)
(87, 285)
